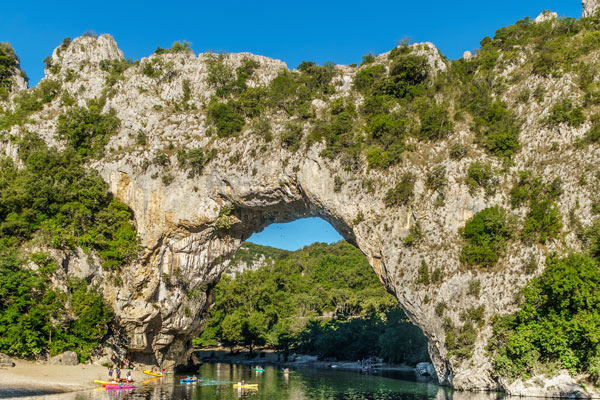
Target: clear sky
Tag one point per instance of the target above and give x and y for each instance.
(313, 30)
(297, 234)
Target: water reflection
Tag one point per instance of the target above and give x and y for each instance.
(300, 384)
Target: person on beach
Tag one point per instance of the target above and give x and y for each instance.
(129, 378)
(110, 372)
(118, 373)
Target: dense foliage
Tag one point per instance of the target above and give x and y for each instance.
(485, 235)
(323, 299)
(558, 324)
(56, 198)
(34, 319)
(8, 63)
(87, 129)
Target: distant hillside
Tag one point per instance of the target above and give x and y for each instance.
(251, 257)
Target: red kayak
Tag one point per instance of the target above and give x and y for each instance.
(117, 387)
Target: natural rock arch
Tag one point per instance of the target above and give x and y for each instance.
(190, 225)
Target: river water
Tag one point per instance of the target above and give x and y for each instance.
(301, 384)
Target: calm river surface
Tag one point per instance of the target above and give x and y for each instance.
(301, 384)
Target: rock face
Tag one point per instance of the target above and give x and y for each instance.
(590, 7)
(190, 225)
(66, 358)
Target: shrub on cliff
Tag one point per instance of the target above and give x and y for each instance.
(8, 63)
(87, 129)
(402, 193)
(226, 117)
(485, 237)
(564, 112)
(558, 324)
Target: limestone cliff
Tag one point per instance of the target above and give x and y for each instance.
(191, 224)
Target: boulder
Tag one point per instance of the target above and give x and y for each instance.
(6, 361)
(66, 358)
(425, 369)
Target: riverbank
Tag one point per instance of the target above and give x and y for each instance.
(31, 378)
(268, 357)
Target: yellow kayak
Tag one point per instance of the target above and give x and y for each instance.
(152, 373)
(246, 386)
(104, 382)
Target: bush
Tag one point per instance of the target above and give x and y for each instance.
(436, 178)
(435, 123)
(367, 59)
(194, 159)
(402, 193)
(528, 187)
(368, 78)
(8, 64)
(593, 135)
(485, 237)
(87, 130)
(292, 136)
(480, 175)
(543, 222)
(556, 325)
(226, 117)
(458, 151)
(564, 112)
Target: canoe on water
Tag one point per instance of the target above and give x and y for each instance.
(153, 373)
(103, 383)
(259, 369)
(189, 380)
(246, 386)
(117, 387)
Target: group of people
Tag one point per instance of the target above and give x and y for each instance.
(117, 372)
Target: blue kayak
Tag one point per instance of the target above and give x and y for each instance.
(188, 380)
(259, 369)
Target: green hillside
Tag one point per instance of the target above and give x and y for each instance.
(322, 299)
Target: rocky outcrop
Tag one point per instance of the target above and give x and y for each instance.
(546, 16)
(590, 7)
(425, 369)
(190, 225)
(6, 361)
(559, 385)
(66, 358)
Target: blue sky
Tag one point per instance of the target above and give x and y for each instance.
(340, 31)
(297, 234)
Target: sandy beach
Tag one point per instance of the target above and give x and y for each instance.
(56, 378)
